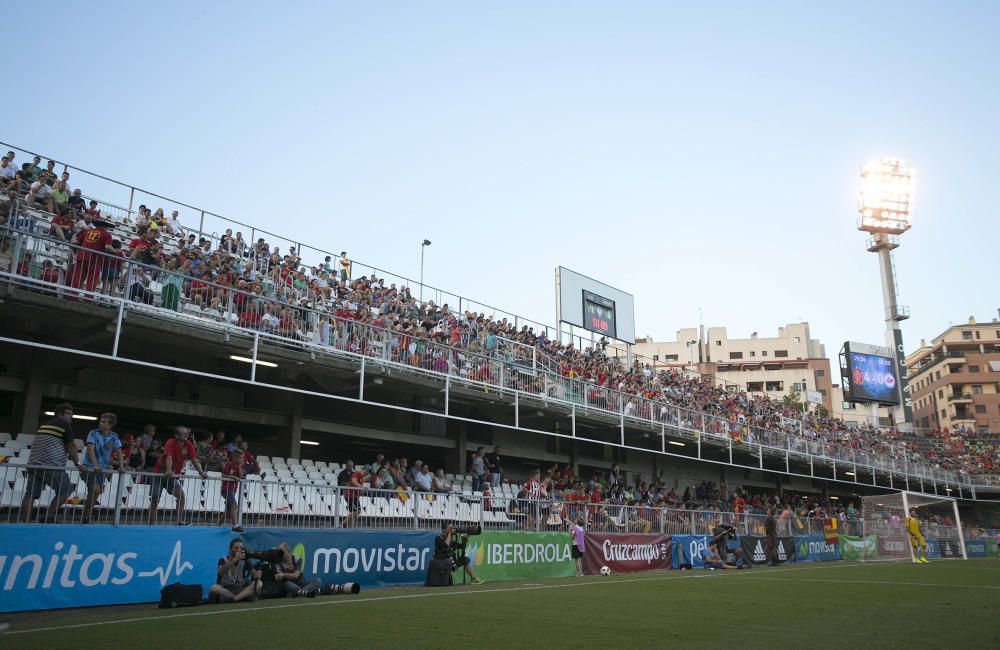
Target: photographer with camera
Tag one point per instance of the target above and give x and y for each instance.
(448, 542)
(727, 543)
(289, 574)
(713, 560)
(237, 580)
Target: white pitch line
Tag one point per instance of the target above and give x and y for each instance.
(343, 600)
(880, 582)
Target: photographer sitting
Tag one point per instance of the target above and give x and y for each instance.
(726, 542)
(237, 580)
(289, 574)
(713, 560)
(445, 545)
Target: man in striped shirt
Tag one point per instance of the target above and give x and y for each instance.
(46, 465)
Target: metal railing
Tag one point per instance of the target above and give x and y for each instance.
(211, 226)
(49, 266)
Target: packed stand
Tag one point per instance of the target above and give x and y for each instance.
(258, 286)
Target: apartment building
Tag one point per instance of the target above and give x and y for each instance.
(955, 380)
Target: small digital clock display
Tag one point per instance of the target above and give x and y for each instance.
(599, 314)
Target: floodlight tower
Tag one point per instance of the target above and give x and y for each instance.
(884, 213)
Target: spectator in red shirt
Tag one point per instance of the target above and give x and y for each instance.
(87, 268)
(176, 452)
(232, 474)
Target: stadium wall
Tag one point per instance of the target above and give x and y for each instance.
(61, 566)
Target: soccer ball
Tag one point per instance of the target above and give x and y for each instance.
(605, 571)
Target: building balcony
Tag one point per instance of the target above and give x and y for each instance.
(960, 398)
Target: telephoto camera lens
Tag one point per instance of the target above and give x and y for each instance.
(346, 588)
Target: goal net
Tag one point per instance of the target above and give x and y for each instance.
(885, 534)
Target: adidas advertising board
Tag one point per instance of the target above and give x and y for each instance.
(51, 566)
(625, 553)
(813, 548)
(755, 549)
(372, 558)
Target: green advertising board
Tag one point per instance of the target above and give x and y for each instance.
(518, 555)
(858, 548)
(991, 548)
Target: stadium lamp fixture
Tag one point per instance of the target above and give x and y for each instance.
(848, 473)
(834, 498)
(90, 418)
(266, 364)
(884, 196)
(675, 443)
(308, 442)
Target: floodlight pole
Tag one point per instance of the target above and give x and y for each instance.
(893, 333)
(423, 245)
(884, 240)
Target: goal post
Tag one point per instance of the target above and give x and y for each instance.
(884, 526)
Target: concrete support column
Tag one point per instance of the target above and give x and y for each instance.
(295, 428)
(461, 455)
(29, 404)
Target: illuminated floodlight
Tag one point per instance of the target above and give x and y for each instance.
(884, 197)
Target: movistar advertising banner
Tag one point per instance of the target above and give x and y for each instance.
(858, 548)
(52, 566)
(755, 549)
(813, 548)
(372, 558)
(518, 555)
(687, 549)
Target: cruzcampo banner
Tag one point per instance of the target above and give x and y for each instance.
(625, 553)
(858, 548)
(991, 548)
(497, 555)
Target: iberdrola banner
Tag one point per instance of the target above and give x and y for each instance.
(497, 555)
(858, 548)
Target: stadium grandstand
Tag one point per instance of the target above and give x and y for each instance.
(360, 406)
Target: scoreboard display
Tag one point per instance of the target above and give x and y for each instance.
(599, 314)
(873, 378)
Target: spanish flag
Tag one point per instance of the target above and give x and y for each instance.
(830, 531)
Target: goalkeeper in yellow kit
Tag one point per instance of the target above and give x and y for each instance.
(916, 538)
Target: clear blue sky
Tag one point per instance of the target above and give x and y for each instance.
(693, 154)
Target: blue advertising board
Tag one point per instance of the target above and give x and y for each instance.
(813, 548)
(52, 566)
(938, 548)
(687, 549)
(372, 558)
(975, 548)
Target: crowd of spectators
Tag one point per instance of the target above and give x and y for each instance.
(964, 450)
(258, 286)
(558, 496)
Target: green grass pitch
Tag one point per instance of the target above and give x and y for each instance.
(944, 604)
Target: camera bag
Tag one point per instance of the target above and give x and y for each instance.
(178, 595)
(439, 573)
